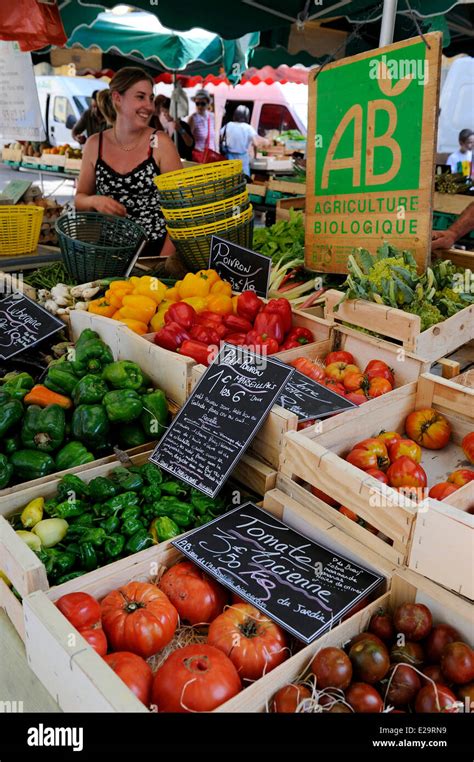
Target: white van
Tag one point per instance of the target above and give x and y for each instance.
(456, 103)
(62, 101)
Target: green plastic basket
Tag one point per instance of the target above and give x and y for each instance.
(195, 251)
(205, 193)
(97, 245)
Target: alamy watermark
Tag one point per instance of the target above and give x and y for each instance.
(398, 70)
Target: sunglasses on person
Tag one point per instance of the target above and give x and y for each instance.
(201, 103)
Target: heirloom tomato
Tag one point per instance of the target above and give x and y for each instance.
(440, 636)
(134, 671)
(461, 477)
(414, 620)
(429, 428)
(80, 609)
(370, 453)
(404, 472)
(467, 445)
(197, 598)
(380, 369)
(442, 490)
(405, 447)
(288, 698)
(364, 698)
(339, 356)
(337, 370)
(379, 386)
(332, 668)
(436, 698)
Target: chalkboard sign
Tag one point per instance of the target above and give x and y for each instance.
(308, 399)
(222, 415)
(245, 269)
(302, 585)
(23, 323)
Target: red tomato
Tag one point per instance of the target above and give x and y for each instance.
(461, 477)
(467, 445)
(354, 380)
(364, 698)
(381, 625)
(409, 653)
(139, 618)
(379, 386)
(439, 637)
(251, 640)
(379, 475)
(429, 428)
(335, 386)
(404, 685)
(370, 453)
(404, 472)
(325, 498)
(95, 636)
(288, 698)
(406, 447)
(134, 671)
(197, 598)
(80, 609)
(337, 370)
(195, 679)
(434, 673)
(357, 397)
(370, 660)
(442, 490)
(457, 663)
(339, 356)
(380, 369)
(388, 438)
(414, 620)
(309, 368)
(332, 668)
(436, 698)
(364, 636)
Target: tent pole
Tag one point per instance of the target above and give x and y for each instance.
(388, 22)
(175, 116)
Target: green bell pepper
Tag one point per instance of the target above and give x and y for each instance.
(183, 515)
(4, 397)
(31, 464)
(110, 525)
(123, 405)
(12, 443)
(150, 474)
(151, 494)
(120, 502)
(139, 541)
(95, 536)
(90, 425)
(91, 356)
(204, 519)
(164, 528)
(69, 509)
(71, 486)
(154, 417)
(84, 520)
(90, 390)
(43, 428)
(57, 562)
(86, 335)
(123, 375)
(126, 480)
(69, 577)
(131, 435)
(17, 384)
(88, 557)
(11, 412)
(130, 526)
(132, 512)
(176, 489)
(6, 472)
(114, 545)
(102, 488)
(203, 504)
(73, 454)
(61, 378)
(50, 505)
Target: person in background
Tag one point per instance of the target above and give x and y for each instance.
(182, 130)
(237, 137)
(444, 239)
(119, 164)
(90, 121)
(458, 158)
(202, 122)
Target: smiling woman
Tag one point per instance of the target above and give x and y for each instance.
(119, 164)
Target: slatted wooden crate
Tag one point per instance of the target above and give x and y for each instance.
(80, 680)
(317, 459)
(432, 344)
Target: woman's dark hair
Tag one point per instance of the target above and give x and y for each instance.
(165, 103)
(465, 135)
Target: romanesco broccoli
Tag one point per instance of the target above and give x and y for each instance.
(382, 270)
(429, 314)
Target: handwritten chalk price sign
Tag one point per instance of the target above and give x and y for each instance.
(246, 270)
(300, 584)
(23, 323)
(308, 399)
(221, 417)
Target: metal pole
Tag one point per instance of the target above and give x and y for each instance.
(388, 22)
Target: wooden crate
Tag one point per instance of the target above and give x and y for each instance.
(318, 460)
(406, 586)
(458, 257)
(73, 165)
(14, 155)
(451, 203)
(23, 567)
(257, 189)
(53, 160)
(31, 161)
(437, 341)
(78, 678)
(287, 186)
(284, 205)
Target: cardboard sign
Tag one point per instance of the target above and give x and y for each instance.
(308, 399)
(300, 584)
(245, 269)
(20, 112)
(23, 323)
(372, 126)
(217, 423)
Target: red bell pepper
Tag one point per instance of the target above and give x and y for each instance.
(249, 305)
(287, 344)
(270, 324)
(282, 308)
(181, 313)
(171, 336)
(202, 353)
(206, 317)
(205, 334)
(237, 323)
(257, 341)
(239, 339)
(301, 335)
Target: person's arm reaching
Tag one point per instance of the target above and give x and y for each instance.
(444, 239)
(86, 199)
(79, 128)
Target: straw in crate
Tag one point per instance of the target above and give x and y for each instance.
(20, 228)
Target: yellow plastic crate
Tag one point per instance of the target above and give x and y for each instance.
(218, 208)
(204, 173)
(20, 228)
(213, 228)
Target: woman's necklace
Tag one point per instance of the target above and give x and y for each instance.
(123, 147)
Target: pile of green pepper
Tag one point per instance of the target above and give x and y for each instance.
(112, 403)
(112, 517)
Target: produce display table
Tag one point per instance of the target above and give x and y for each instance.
(44, 255)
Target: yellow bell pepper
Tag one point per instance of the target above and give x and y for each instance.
(101, 307)
(135, 280)
(222, 287)
(118, 315)
(234, 304)
(136, 307)
(115, 298)
(198, 303)
(158, 320)
(211, 275)
(151, 287)
(194, 285)
(219, 303)
(172, 295)
(121, 285)
(135, 325)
